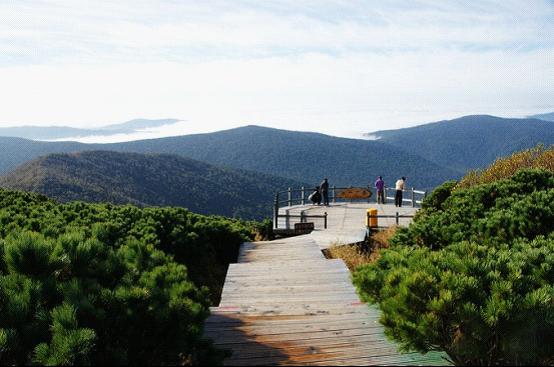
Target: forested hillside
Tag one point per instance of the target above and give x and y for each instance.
(304, 157)
(300, 156)
(108, 285)
(470, 142)
(147, 180)
(16, 151)
(427, 155)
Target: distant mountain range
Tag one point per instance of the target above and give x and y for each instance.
(149, 180)
(64, 132)
(261, 160)
(469, 142)
(300, 156)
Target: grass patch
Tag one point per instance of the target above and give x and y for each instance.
(362, 253)
(538, 157)
(353, 256)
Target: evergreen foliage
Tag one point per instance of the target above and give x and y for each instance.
(473, 274)
(470, 142)
(300, 156)
(149, 180)
(104, 284)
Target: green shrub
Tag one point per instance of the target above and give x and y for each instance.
(103, 284)
(70, 344)
(522, 206)
(481, 304)
(439, 195)
(473, 275)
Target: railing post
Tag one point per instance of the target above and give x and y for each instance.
(303, 196)
(325, 221)
(276, 211)
(334, 194)
(302, 217)
(289, 197)
(397, 219)
(413, 198)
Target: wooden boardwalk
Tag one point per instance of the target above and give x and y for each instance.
(346, 221)
(283, 303)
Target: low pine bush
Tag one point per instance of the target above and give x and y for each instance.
(103, 284)
(473, 274)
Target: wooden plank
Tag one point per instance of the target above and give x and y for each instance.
(307, 321)
(313, 336)
(288, 329)
(278, 291)
(285, 271)
(346, 353)
(290, 263)
(306, 273)
(307, 358)
(286, 292)
(333, 347)
(244, 344)
(395, 359)
(290, 311)
(273, 266)
(240, 319)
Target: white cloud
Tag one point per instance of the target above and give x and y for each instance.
(333, 66)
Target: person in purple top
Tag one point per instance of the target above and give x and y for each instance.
(380, 186)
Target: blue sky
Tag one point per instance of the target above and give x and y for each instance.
(339, 67)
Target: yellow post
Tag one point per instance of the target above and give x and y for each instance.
(371, 218)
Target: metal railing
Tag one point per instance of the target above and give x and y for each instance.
(412, 196)
(292, 197)
(397, 216)
(303, 218)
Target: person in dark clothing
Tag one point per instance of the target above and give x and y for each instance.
(380, 186)
(324, 189)
(315, 196)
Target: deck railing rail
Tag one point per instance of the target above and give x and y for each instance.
(303, 218)
(397, 216)
(292, 197)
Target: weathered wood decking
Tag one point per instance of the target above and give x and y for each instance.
(283, 303)
(346, 221)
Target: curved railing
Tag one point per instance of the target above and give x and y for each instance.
(299, 196)
(292, 197)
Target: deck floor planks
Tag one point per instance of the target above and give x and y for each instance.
(283, 303)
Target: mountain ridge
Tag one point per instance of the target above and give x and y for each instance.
(428, 154)
(64, 132)
(549, 116)
(470, 142)
(301, 156)
(148, 180)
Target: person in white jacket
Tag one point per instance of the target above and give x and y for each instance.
(399, 189)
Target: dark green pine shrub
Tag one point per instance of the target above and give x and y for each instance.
(103, 284)
(473, 275)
